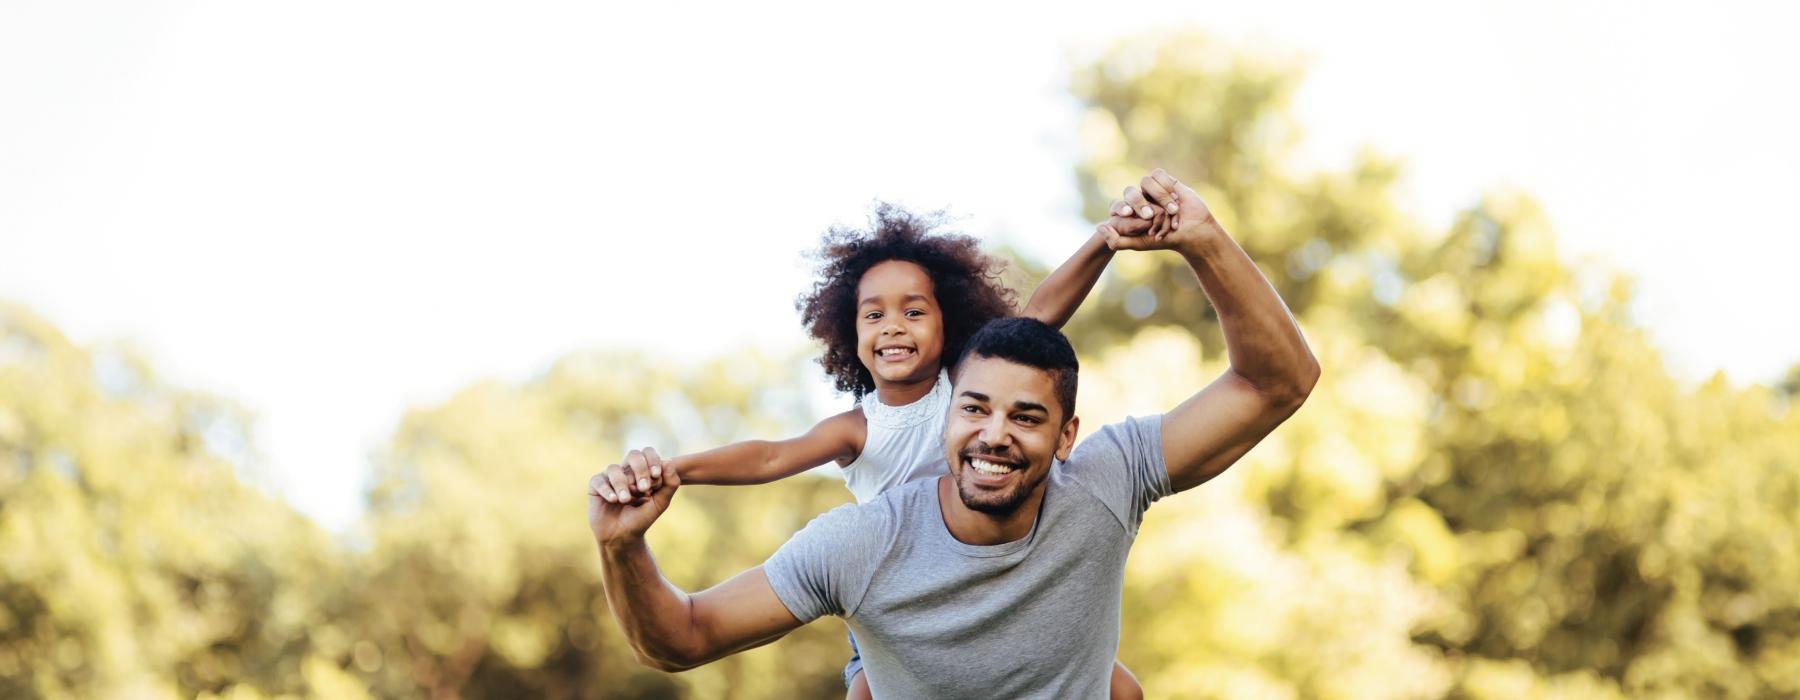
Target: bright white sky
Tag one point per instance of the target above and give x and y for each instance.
(333, 210)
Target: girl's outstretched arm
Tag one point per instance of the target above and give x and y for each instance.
(838, 438)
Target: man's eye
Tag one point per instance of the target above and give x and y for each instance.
(971, 409)
(1028, 420)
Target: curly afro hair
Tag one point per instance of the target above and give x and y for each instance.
(965, 280)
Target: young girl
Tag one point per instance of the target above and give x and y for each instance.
(892, 306)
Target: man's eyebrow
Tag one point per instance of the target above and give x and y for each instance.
(978, 396)
(1029, 406)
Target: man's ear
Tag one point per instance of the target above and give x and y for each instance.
(1065, 442)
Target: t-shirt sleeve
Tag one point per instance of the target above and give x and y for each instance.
(1122, 465)
(826, 567)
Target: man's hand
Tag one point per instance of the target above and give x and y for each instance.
(618, 516)
(1159, 213)
(637, 476)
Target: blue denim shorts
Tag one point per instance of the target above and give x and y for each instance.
(855, 665)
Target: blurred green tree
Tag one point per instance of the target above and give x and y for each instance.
(133, 560)
(1575, 519)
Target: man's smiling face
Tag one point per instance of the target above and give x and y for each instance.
(1005, 427)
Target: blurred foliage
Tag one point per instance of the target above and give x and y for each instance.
(138, 564)
(1496, 491)
(133, 560)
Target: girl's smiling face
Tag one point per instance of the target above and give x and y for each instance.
(899, 330)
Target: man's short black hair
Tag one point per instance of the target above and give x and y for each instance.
(1033, 343)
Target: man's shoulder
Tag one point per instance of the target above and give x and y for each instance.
(1117, 443)
(880, 518)
(1120, 468)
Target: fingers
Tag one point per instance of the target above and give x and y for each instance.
(599, 487)
(656, 468)
(1131, 226)
(1140, 206)
(1161, 226)
(1158, 193)
(1149, 212)
(637, 470)
(618, 483)
(1116, 241)
(671, 482)
(1181, 192)
(612, 485)
(638, 475)
(652, 474)
(1168, 182)
(1125, 225)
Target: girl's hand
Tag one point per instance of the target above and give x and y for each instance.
(1124, 223)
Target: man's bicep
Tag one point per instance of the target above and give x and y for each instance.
(739, 614)
(1214, 428)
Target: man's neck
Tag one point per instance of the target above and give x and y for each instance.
(970, 526)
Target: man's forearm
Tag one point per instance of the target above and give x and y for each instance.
(1261, 336)
(656, 615)
(1055, 301)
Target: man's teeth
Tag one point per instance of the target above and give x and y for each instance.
(990, 468)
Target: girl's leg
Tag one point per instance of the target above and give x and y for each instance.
(859, 687)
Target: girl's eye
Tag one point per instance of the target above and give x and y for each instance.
(914, 313)
(872, 315)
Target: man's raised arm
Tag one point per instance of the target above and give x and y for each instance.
(1272, 370)
(669, 629)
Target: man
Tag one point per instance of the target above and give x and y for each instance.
(1004, 578)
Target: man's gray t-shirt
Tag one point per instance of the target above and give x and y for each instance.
(934, 617)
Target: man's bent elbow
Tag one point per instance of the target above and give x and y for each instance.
(667, 664)
(1309, 376)
(670, 659)
(1289, 395)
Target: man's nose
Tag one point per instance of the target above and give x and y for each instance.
(993, 434)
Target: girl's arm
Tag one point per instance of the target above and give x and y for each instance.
(1056, 299)
(838, 438)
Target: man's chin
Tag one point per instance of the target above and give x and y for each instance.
(991, 502)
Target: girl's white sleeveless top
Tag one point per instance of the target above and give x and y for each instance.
(903, 442)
